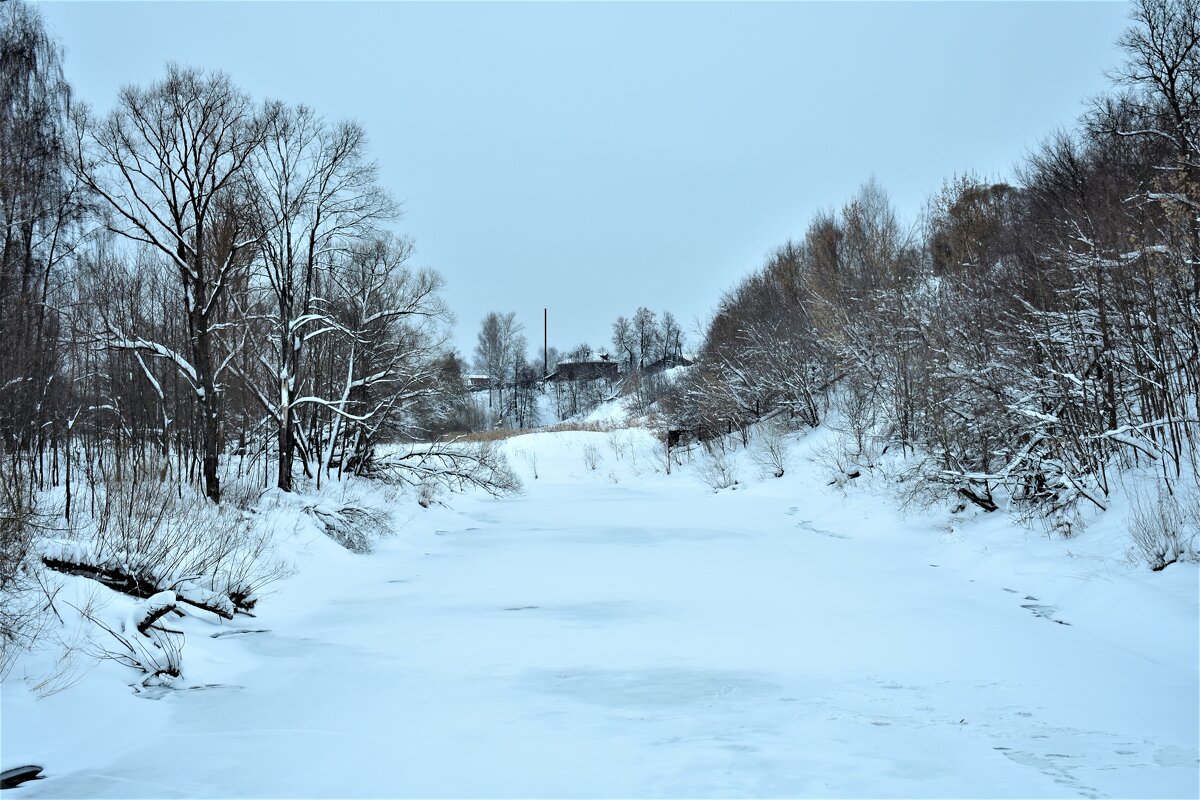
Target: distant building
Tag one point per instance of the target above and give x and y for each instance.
(590, 370)
(667, 362)
(477, 383)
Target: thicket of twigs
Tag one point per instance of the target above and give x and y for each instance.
(1031, 339)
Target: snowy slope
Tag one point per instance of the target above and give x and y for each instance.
(620, 632)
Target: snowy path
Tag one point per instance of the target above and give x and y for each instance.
(650, 638)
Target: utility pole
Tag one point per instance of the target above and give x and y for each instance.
(545, 343)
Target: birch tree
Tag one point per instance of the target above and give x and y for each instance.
(315, 195)
(391, 324)
(497, 349)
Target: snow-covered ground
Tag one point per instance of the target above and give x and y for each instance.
(620, 632)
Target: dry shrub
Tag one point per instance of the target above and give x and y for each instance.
(164, 536)
(589, 427)
(355, 527)
(619, 443)
(480, 437)
(24, 594)
(841, 459)
(508, 433)
(591, 456)
(717, 469)
(770, 453)
(428, 492)
(530, 457)
(1165, 527)
(140, 641)
(453, 465)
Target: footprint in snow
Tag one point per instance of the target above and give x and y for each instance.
(1043, 611)
(1038, 609)
(806, 525)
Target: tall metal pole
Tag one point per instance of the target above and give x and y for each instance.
(545, 343)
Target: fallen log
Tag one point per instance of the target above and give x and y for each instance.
(142, 587)
(14, 777)
(983, 501)
(158, 607)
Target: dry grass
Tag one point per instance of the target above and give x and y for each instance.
(508, 433)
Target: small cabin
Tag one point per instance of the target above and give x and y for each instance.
(477, 383)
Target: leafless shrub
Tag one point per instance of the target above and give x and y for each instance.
(837, 459)
(591, 456)
(24, 592)
(427, 494)
(454, 465)
(140, 642)
(354, 527)
(147, 537)
(240, 494)
(619, 443)
(531, 458)
(717, 469)
(1164, 527)
(920, 483)
(859, 417)
(66, 641)
(771, 454)
(659, 455)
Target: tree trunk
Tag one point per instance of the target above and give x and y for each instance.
(210, 423)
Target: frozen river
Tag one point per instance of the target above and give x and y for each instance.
(617, 632)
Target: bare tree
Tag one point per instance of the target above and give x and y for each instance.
(499, 347)
(315, 195)
(390, 354)
(670, 337)
(166, 162)
(645, 335)
(624, 342)
(39, 209)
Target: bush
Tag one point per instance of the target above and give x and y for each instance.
(717, 469)
(591, 456)
(140, 642)
(150, 536)
(22, 600)
(1164, 528)
(771, 454)
(356, 527)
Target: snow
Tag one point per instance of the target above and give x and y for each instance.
(612, 412)
(622, 632)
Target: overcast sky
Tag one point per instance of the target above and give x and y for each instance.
(596, 157)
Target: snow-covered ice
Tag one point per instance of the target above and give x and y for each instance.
(620, 632)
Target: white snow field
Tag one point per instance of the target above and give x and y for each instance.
(619, 632)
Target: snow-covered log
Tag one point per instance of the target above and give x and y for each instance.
(145, 587)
